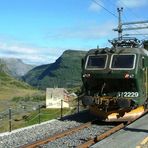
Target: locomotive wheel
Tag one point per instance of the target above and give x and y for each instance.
(87, 100)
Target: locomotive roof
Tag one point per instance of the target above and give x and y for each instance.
(118, 50)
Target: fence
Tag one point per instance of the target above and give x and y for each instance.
(11, 119)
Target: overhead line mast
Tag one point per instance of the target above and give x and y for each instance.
(120, 25)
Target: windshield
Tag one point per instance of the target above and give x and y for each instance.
(96, 62)
(123, 61)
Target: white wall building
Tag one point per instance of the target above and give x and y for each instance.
(54, 97)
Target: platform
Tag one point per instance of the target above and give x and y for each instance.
(129, 137)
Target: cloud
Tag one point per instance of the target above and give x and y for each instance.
(132, 3)
(39, 59)
(82, 37)
(94, 6)
(91, 32)
(17, 48)
(28, 53)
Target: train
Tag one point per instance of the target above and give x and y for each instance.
(115, 80)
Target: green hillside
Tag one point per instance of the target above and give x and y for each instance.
(10, 87)
(65, 72)
(146, 44)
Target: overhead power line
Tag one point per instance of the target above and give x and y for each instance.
(130, 10)
(104, 8)
(134, 34)
(138, 22)
(120, 25)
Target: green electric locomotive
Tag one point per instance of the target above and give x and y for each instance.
(115, 80)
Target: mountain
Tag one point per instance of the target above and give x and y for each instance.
(15, 67)
(9, 86)
(6, 81)
(3, 67)
(64, 72)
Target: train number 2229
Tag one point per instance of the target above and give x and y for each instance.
(128, 94)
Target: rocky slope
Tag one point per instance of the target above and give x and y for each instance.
(15, 67)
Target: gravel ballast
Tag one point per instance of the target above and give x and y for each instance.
(36, 132)
(78, 138)
(33, 133)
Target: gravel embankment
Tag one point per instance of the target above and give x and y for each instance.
(34, 133)
(30, 134)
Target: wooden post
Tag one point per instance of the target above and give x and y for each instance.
(10, 120)
(61, 109)
(39, 115)
(78, 105)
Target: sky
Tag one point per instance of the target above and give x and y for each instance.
(39, 31)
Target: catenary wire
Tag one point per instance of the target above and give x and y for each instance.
(104, 8)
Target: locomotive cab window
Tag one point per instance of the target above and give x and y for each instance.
(123, 61)
(96, 62)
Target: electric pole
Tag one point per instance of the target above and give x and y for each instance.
(119, 23)
(120, 28)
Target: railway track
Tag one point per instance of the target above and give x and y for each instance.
(82, 136)
(57, 136)
(76, 135)
(108, 133)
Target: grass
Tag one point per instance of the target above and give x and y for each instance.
(10, 93)
(7, 96)
(19, 121)
(22, 98)
(9, 87)
(45, 115)
(34, 97)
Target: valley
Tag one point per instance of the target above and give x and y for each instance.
(24, 99)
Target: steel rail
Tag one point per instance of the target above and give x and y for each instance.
(101, 137)
(59, 135)
(108, 133)
(75, 129)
